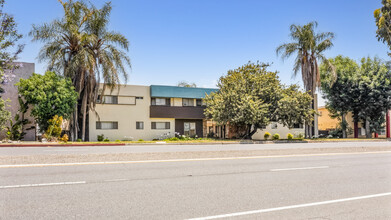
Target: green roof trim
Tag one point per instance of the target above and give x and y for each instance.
(180, 92)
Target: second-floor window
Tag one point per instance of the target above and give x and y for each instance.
(187, 102)
(160, 101)
(107, 99)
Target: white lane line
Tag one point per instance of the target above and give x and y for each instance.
(299, 168)
(65, 150)
(42, 184)
(292, 206)
(187, 160)
(115, 180)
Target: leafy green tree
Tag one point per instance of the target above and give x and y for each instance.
(375, 88)
(294, 107)
(49, 95)
(5, 115)
(250, 97)
(186, 84)
(338, 90)
(361, 89)
(383, 22)
(81, 47)
(309, 47)
(9, 49)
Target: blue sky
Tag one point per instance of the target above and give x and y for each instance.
(199, 40)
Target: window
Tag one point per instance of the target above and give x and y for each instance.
(160, 101)
(187, 102)
(107, 99)
(139, 97)
(106, 125)
(189, 129)
(160, 125)
(199, 102)
(297, 125)
(274, 126)
(139, 125)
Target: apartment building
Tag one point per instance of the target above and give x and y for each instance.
(149, 112)
(158, 112)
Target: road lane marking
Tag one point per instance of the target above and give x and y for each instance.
(186, 160)
(299, 168)
(42, 184)
(115, 180)
(292, 206)
(65, 150)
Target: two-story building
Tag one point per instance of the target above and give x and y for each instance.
(149, 112)
(158, 112)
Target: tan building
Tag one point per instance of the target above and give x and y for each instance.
(149, 113)
(326, 123)
(158, 112)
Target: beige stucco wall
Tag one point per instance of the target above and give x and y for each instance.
(281, 130)
(127, 116)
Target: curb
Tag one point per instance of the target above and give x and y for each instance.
(59, 145)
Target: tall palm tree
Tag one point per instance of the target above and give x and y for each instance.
(80, 46)
(308, 47)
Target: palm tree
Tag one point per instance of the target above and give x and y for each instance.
(308, 47)
(79, 46)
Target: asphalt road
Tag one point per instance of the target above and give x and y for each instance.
(17, 151)
(356, 186)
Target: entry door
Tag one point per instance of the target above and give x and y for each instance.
(189, 129)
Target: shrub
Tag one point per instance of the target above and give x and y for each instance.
(54, 128)
(65, 138)
(79, 140)
(117, 140)
(290, 136)
(101, 137)
(106, 140)
(276, 136)
(172, 139)
(300, 136)
(140, 140)
(266, 135)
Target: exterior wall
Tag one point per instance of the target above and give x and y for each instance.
(281, 130)
(127, 115)
(325, 122)
(24, 71)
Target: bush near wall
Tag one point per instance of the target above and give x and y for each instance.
(276, 136)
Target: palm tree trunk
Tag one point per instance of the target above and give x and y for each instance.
(75, 124)
(84, 109)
